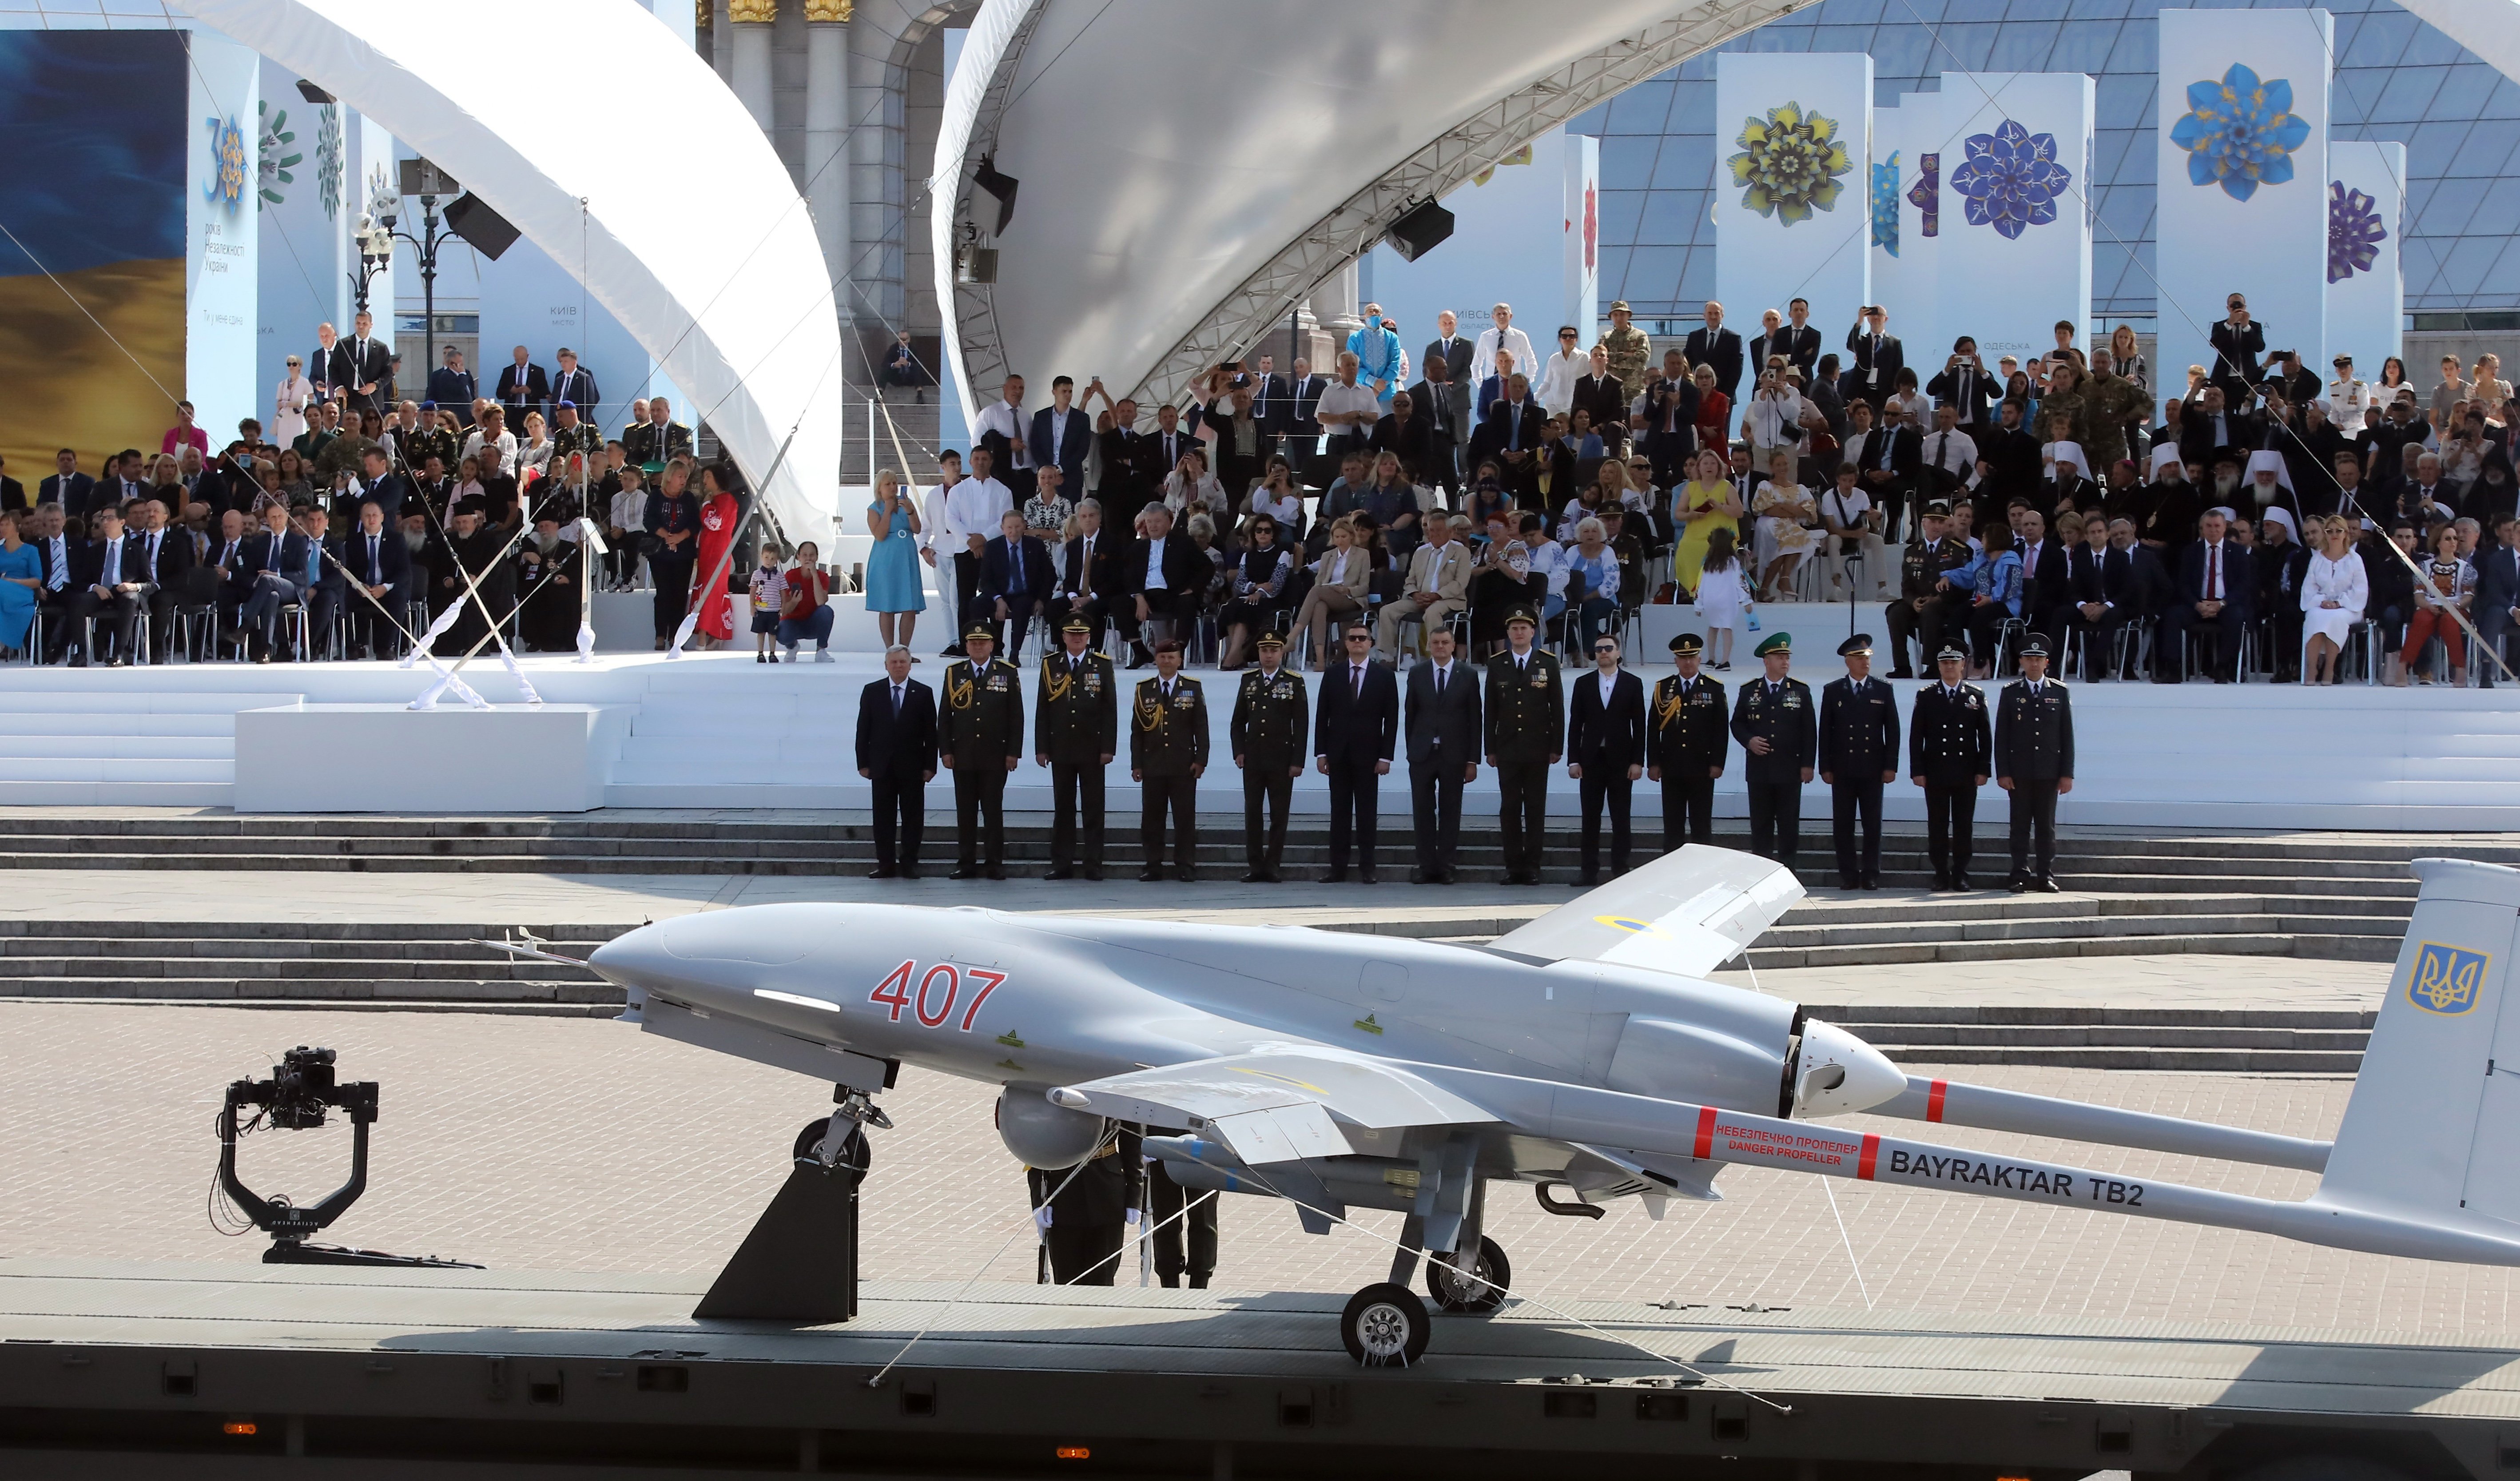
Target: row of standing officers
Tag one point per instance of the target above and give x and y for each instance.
(1518, 717)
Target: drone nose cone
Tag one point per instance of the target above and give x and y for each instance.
(1840, 1074)
(636, 960)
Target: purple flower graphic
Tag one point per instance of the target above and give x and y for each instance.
(2353, 232)
(1927, 191)
(2010, 179)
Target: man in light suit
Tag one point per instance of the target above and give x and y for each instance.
(362, 371)
(1061, 434)
(1442, 721)
(896, 747)
(1606, 751)
(1720, 350)
(1439, 572)
(1355, 722)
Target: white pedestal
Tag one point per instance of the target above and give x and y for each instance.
(387, 758)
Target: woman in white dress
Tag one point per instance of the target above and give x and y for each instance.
(2334, 591)
(1787, 514)
(289, 405)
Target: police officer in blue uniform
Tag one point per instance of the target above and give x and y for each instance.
(1858, 753)
(1950, 754)
(2034, 761)
(1777, 724)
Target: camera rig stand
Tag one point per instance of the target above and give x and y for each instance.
(301, 1088)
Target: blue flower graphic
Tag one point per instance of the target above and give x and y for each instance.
(2010, 179)
(2353, 232)
(1885, 204)
(2239, 133)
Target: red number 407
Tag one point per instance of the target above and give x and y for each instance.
(933, 999)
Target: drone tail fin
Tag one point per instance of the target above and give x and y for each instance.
(2432, 1131)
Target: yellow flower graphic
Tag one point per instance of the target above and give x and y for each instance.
(1790, 164)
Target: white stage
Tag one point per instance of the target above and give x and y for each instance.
(721, 731)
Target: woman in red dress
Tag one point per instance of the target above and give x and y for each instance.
(719, 515)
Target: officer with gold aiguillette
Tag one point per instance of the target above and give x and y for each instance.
(1774, 719)
(1686, 742)
(1167, 750)
(980, 733)
(1076, 723)
(1270, 733)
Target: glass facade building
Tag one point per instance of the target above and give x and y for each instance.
(2395, 78)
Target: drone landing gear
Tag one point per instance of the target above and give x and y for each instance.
(1449, 1280)
(799, 1264)
(1386, 1326)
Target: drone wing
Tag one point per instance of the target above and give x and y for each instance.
(1686, 912)
(1276, 1106)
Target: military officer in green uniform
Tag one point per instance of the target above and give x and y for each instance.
(574, 435)
(1076, 723)
(1950, 751)
(980, 731)
(1920, 610)
(2034, 761)
(1858, 755)
(1526, 723)
(1167, 750)
(423, 442)
(1269, 734)
(1777, 724)
(1686, 743)
(1629, 348)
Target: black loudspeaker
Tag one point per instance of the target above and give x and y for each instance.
(1419, 233)
(487, 230)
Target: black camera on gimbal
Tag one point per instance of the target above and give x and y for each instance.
(304, 1087)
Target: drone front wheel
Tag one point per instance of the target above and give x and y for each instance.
(1455, 1290)
(1385, 1325)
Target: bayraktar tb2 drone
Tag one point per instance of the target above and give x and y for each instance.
(1583, 1053)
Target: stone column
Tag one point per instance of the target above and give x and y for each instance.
(1335, 305)
(721, 40)
(826, 126)
(750, 22)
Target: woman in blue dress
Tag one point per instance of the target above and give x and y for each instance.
(21, 570)
(893, 590)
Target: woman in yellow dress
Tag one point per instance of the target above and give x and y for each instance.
(1705, 504)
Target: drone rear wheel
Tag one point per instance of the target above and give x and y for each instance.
(1454, 1289)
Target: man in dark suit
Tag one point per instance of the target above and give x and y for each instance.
(1950, 754)
(272, 574)
(1409, 433)
(2009, 452)
(2047, 579)
(120, 486)
(362, 369)
(1355, 725)
(2034, 761)
(1605, 397)
(573, 385)
(1513, 434)
(1668, 420)
(383, 485)
(2216, 589)
(380, 563)
(1965, 385)
(1454, 350)
(1442, 721)
(1269, 736)
(1887, 458)
(2238, 341)
(2498, 595)
(1165, 578)
(159, 559)
(67, 487)
(1061, 433)
(523, 387)
(1434, 397)
(1795, 340)
(1877, 358)
(2208, 431)
(105, 590)
(1858, 755)
(1093, 580)
(327, 589)
(59, 559)
(897, 752)
(1159, 453)
(453, 387)
(1605, 752)
(1076, 726)
(1015, 580)
(1302, 433)
(1122, 492)
(1719, 349)
(2103, 593)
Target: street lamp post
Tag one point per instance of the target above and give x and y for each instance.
(376, 254)
(425, 245)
